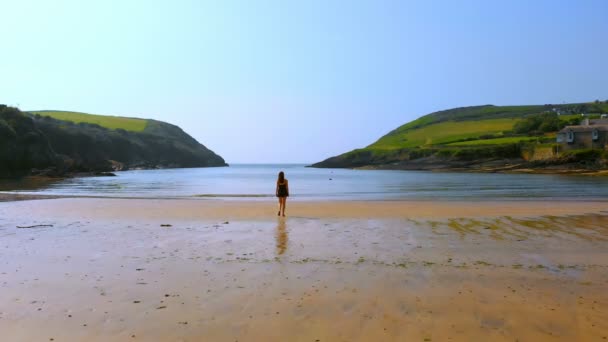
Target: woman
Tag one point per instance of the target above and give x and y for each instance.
(282, 192)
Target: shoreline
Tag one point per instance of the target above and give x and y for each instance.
(524, 169)
(17, 195)
(13, 197)
(501, 166)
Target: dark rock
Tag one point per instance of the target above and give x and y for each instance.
(52, 172)
(105, 174)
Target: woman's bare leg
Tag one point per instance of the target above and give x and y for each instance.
(284, 204)
(280, 205)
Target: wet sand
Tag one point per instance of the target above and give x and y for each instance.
(196, 270)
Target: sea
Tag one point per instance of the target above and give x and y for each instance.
(257, 182)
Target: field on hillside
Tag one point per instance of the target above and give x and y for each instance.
(443, 133)
(111, 122)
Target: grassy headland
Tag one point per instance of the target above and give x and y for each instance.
(473, 138)
(110, 122)
(56, 143)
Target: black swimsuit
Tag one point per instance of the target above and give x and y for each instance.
(283, 190)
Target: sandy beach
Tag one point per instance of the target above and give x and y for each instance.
(210, 270)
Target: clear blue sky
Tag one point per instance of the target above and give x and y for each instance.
(298, 81)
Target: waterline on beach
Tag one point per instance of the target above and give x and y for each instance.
(258, 182)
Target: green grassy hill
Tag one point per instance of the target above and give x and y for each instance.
(110, 122)
(465, 132)
(442, 133)
(494, 141)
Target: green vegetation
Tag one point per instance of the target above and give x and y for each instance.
(483, 152)
(496, 141)
(106, 121)
(538, 124)
(584, 155)
(443, 133)
(22, 145)
(475, 113)
(571, 119)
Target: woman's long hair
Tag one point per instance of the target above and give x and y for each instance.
(281, 177)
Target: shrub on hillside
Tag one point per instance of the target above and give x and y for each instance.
(583, 155)
(446, 153)
(497, 151)
(538, 124)
(421, 153)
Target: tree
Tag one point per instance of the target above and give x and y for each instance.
(538, 124)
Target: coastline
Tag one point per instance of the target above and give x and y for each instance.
(506, 167)
(167, 269)
(507, 170)
(12, 197)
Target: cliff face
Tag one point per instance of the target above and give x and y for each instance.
(30, 141)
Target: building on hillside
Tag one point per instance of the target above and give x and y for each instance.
(591, 133)
(595, 122)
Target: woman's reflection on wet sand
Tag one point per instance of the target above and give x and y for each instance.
(281, 237)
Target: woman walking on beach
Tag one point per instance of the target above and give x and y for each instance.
(282, 192)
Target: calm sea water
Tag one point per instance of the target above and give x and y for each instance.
(258, 182)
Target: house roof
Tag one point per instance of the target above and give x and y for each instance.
(580, 129)
(598, 121)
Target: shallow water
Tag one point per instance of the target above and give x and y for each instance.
(257, 182)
